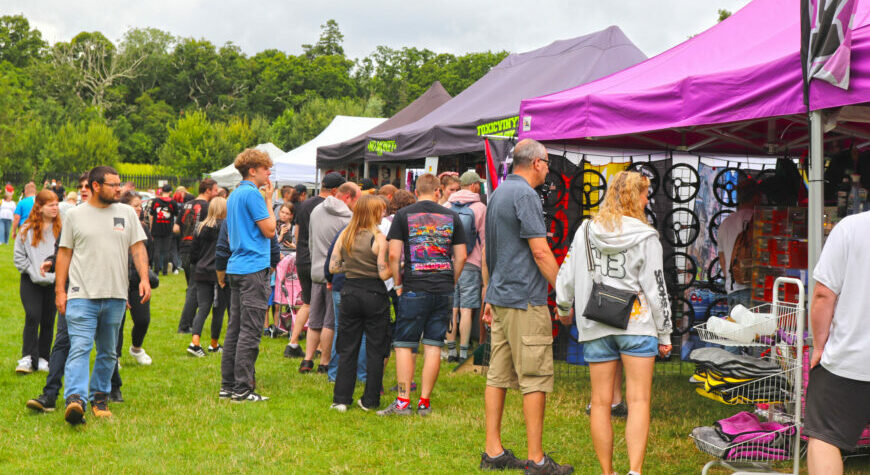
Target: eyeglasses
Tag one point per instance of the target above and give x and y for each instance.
(545, 160)
(113, 185)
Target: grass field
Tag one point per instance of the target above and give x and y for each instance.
(172, 421)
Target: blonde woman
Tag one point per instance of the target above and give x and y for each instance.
(626, 255)
(35, 243)
(361, 254)
(202, 261)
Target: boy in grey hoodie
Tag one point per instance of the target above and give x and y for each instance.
(327, 219)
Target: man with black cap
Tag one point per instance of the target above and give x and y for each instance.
(328, 186)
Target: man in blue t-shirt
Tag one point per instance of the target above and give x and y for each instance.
(250, 227)
(22, 210)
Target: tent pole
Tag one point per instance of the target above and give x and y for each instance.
(816, 197)
(365, 168)
(317, 182)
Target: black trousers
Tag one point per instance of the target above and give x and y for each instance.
(140, 313)
(163, 253)
(188, 312)
(39, 312)
(365, 308)
(216, 302)
(249, 299)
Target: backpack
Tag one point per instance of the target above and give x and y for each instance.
(741, 256)
(466, 216)
(189, 219)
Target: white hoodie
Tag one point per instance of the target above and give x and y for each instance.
(627, 259)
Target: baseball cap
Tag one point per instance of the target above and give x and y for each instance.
(470, 177)
(366, 184)
(332, 180)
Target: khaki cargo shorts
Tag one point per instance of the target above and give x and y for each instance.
(522, 349)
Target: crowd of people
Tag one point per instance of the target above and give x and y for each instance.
(378, 269)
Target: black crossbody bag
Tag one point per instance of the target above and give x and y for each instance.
(606, 304)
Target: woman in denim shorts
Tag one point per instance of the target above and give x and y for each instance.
(626, 255)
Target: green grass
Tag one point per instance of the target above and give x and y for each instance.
(172, 421)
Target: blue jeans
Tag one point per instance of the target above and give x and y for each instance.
(332, 369)
(5, 229)
(90, 321)
(609, 348)
(423, 314)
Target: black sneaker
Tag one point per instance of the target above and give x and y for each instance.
(216, 349)
(249, 396)
(619, 410)
(115, 395)
(505, 461)
(322, 369)
(225, 394)
(549, 467)
(269, 331)
(75, 410)
(453, 359)
(290, 352)
(306, 366)
(195, 350)
(42, 403)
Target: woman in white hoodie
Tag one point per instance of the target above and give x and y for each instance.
(627, 255)
(35, 243)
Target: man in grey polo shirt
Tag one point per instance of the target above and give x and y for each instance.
(520, 264)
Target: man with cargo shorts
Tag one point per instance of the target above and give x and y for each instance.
(520, 264)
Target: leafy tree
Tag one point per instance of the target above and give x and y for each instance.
(292, 129)
(81, 146)
(19, 44)
(154, 46)
(329, 43)
(723, 14)
(191, 146)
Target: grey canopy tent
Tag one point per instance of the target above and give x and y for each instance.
(354, 149)
(491, 105)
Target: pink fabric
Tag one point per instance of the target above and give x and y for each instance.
(746, 67)
(287, 287)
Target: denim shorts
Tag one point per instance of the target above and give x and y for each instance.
(422, 314)
(609, 348)
(467, 293)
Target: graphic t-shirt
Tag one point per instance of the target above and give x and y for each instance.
(100, 239)
(429, 232)
(191, 214)
(303, 216)
(164, 210)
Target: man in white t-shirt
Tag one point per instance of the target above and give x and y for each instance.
(748, 197)
(93, 253)
(838, 395)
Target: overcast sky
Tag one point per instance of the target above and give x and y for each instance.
(451, 26)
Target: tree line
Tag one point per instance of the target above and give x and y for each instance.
(188, 105)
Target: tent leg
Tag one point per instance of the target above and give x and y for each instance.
(365, 169)
(317, 182)
(816, 197)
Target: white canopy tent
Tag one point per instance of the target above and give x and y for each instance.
(229, 177)
(300, 164)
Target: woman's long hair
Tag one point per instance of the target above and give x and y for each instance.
(35, 221)
(217, 210)
(366, 216)
(623, 198)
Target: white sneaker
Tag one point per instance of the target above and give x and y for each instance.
(25, 365)
(339, 407)
(175, 272)
(42, 365)
(142, 358)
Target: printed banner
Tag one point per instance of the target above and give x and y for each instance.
(826, 41)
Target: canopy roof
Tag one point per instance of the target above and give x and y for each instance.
(745, 72)
(355, 148)
(229, 177)
(490, 105)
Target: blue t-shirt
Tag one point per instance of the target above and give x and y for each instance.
(24, 207)
(513, 215)
(250, 249)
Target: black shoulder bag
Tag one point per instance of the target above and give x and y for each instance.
(606, 304)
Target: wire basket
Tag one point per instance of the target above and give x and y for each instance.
(779, 325)
(770, 447)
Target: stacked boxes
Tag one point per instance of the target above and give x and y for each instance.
(780, 248)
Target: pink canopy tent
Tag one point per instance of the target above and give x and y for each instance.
(736, 87)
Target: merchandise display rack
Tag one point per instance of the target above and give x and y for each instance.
(782, 391)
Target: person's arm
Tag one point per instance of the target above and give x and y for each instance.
(821, 317)
(16, 219)
(565, 280)
(396, 248)
(460, 254)
(383, 267)
(267, 225)
(723, 265)
(652, 283)
(544, 259)
(140, 260)
(19, 253)
(333, 257)
(61, 272)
